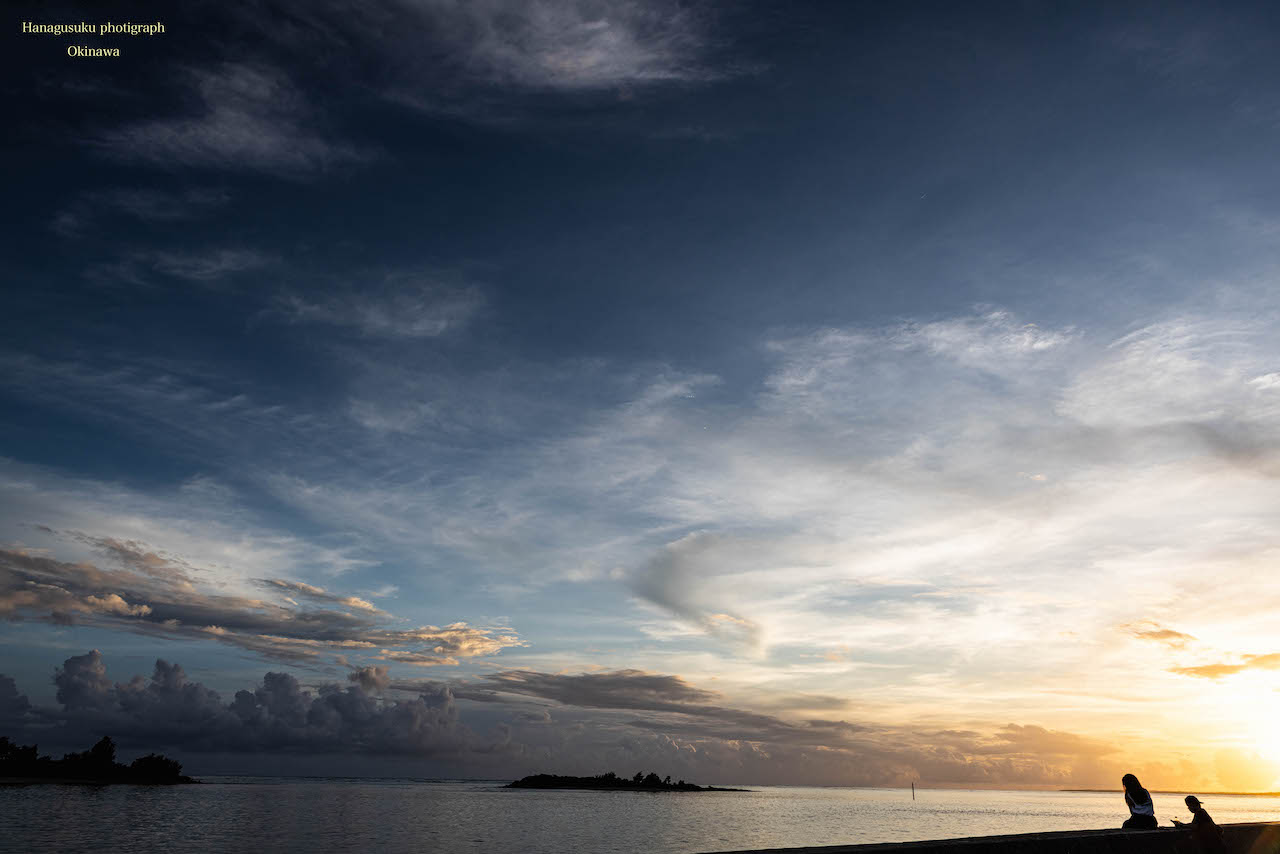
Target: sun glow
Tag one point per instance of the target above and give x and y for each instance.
(1266, 741)
(1255, 703)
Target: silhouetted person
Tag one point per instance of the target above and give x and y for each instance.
(1204, 827)
(1142, 811)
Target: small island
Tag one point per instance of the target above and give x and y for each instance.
(97, 766)
(611, 781)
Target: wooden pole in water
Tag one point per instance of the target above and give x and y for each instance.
(913, 790)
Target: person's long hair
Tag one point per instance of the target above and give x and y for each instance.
(1134, 789)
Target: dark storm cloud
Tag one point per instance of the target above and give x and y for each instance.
(728, 724)
(805, 701)
(372, 679)
(686, 709)
(12, 704)
(703, 741)
(682, 733)
(278, 714)
(622, 689)
(82, 682)
(689, 731)
(461, 690)
(153, 594)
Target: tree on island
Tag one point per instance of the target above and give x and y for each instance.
(641, 782)
(97, 764)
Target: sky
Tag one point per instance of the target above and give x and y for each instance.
(805, 393)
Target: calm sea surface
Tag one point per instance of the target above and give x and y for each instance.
(321, 816)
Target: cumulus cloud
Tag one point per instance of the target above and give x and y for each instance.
(279, 714)
(445, 645)
(151, 594)
(82, 681)
(372, 679)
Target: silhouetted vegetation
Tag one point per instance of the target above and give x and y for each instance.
(96, 765)
(639, 783)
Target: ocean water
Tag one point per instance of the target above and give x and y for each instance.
(337, 815)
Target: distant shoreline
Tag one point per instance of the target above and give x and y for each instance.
(611, 783)
(92, 781)
(1182, 792)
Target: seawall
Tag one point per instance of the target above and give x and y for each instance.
(1247, 838)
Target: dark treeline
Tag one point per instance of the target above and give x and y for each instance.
(97, 764)
(640, 782)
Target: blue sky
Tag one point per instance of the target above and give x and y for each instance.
(893, 382)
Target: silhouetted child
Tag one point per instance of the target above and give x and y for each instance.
(1142, 811)
(1205, 828)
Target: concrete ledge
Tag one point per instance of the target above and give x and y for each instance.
(1261, 837)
